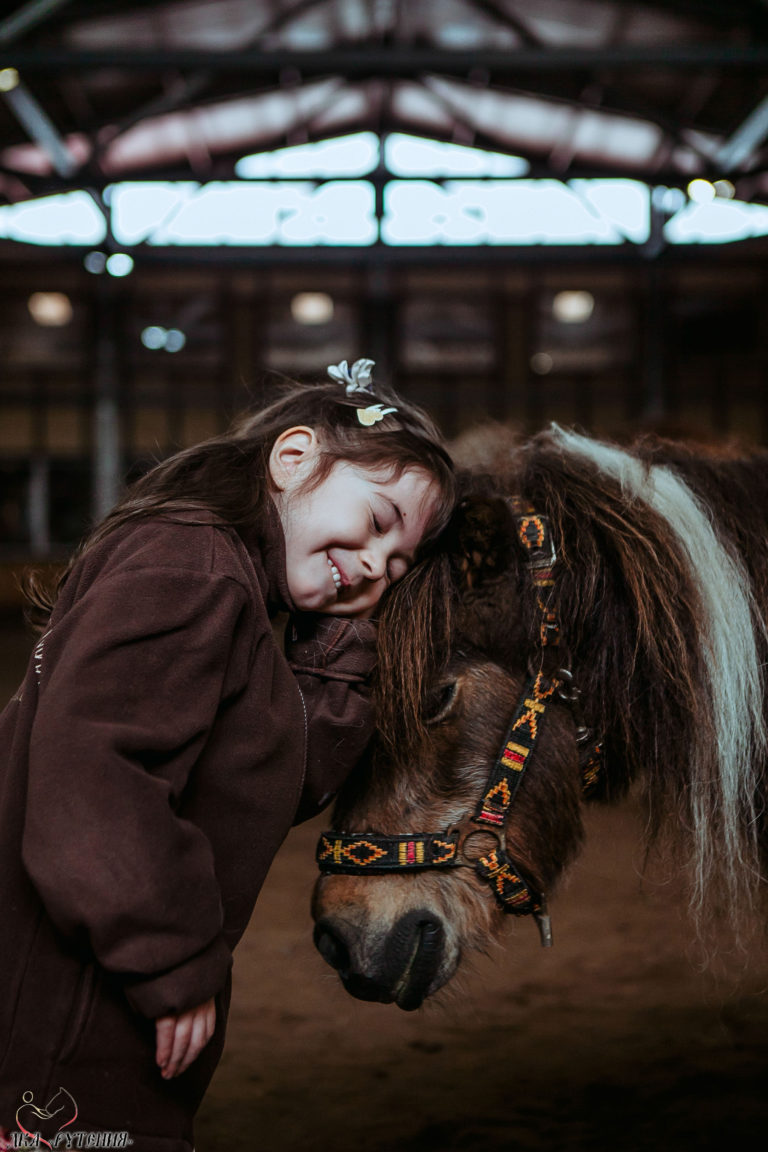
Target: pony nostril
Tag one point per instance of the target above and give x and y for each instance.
(412, 957)
(332, 949)
(419, 927)
(432, 935)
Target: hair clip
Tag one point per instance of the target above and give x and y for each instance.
(359, 379)
(372, 414)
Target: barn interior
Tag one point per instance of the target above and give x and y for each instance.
(523, 213)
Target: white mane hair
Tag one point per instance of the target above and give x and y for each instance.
(728, 644)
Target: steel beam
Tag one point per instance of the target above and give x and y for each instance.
(749, 252)
(360, 63)
(107, 463)
(26, 17)
(745, 141)
(33, 117)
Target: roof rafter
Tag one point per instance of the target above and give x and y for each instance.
(360, 62)
(497, 11)
(26, 17)
(732, 12)
(40, 128)
(696, 102)
(746, 140)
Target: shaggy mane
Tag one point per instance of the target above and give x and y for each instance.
(661, 586)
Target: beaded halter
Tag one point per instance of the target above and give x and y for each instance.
(358, 853)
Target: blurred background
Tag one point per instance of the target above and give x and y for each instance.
(522, 211)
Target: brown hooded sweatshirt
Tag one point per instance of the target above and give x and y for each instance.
(157, 753)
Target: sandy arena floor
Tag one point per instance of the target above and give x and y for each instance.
(615, 1039)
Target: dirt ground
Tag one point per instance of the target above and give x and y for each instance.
(615, 1039)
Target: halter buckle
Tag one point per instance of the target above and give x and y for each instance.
(544, 924)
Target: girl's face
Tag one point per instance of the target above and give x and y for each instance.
(351, 536)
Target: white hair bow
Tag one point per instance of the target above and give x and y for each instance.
(360, 379)
(357, 379)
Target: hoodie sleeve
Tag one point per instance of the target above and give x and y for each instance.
(332, 658)
(130, 681)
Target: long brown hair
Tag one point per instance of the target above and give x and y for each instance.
(226, 477)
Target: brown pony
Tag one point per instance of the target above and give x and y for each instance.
(597, 618)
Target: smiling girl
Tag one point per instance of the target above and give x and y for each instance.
(163, 742)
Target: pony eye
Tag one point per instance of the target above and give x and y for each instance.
(440, 701)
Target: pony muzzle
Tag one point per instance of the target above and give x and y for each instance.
(406, 967)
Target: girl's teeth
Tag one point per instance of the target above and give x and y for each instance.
(335, 573)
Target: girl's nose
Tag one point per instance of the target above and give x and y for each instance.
(374, 563)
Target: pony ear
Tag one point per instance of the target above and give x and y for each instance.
(481, 541)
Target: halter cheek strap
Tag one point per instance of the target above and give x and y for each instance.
(513, 892)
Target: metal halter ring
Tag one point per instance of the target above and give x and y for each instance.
(568, 690)
(570, 693)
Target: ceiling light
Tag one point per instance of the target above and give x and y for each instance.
(701, 191)
(119, 264)
(573, 307)
(95, 262)
(9, 79)
(156, 338)
(312, 308)
(541, 363)
(669, 200)
(153, 337)
(50, 309)
(724, 190)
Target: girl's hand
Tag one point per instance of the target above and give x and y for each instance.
(181, 1039)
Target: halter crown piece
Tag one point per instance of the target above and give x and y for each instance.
(359, 378)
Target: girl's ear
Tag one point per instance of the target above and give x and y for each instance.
(293, 457)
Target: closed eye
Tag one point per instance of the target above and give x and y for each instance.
(440, 701)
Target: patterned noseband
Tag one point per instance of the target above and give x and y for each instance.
(462, 845)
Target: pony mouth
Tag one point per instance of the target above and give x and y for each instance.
(407, 972)
(416, 946)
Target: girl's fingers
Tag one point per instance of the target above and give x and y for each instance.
(165, 1027)
(181, 1036)
(203, 1025)
(181, 1039)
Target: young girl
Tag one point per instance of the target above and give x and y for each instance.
(161, 744)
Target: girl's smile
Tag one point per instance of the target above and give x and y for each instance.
(339, 579)
(353, 534)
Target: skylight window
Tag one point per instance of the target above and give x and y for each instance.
(717, 222)
(235, 212)
(70, 218)
(315, 194)
(509, 212)
(623, 203)
(413, 156)
(354, 155)
(140, 209)
(358, 155)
